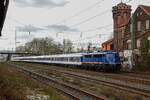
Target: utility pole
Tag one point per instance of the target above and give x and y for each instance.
(81, 43)
(15, 40)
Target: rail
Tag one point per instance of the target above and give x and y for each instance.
(72, 91)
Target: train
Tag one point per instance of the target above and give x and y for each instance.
(101, 61)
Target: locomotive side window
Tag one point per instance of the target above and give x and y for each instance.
(88, 56)
(98, 55)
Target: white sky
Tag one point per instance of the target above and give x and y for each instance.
(39, 16)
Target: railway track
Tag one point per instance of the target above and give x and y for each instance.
(70, 90)
(137, 74)
(125, 86)
(133, 78)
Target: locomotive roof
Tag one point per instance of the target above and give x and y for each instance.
(96, 53)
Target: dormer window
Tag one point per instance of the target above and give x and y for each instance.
(147, 24)
(141, 13)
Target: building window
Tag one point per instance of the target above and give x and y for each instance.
(130, 27)
(137, 14)
(141, 13)
(147, 24)
(148, 40)
(129, 44)
(138, 43)
(139, 25)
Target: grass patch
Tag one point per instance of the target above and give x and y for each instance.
(17, 86)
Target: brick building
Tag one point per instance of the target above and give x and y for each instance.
(121, 19)
(141, 26)
(129, 31)
(107, 45)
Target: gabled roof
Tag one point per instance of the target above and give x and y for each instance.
(146, 9)
(108, 41)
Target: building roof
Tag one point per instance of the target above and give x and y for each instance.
(108, 41)
(146, 9)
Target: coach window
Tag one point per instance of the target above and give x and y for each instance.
(78, 59)
(74, 59)
(64, 59)
(71, 58)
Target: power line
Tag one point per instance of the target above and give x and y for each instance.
(100, 14)
(86, 20)
(82, 11)
(97, 28)
(15, 20)
(90, 37)
(83, 20)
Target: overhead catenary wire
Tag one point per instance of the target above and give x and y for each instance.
(97, 28)
(90, 37)
(102, 27)
(91, 18)
(80, 12)
(86, 19)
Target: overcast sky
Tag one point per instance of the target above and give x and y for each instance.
(81, 21)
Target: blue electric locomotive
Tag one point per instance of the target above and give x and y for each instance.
(105, 61)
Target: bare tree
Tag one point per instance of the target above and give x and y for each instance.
(41, 46)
